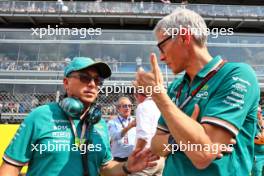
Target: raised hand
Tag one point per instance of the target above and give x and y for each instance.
(152, 80)
(141, 159)
(132, 124)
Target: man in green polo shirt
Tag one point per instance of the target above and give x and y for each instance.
(54, 137)
(258, 168)
(227, 95)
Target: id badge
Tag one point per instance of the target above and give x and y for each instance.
(126, 139)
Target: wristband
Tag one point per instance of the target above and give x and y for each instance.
(125, 169)
(171, 140)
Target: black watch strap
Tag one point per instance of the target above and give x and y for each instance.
(125, 169)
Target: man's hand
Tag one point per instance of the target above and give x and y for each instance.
(132, 124)
(152, 79)
(259, 139)
(129, 126)
(137, 161)
(141, 159)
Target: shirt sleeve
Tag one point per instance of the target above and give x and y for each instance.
(144, 122)
(234, 100)
(19, 151)
(115, 134)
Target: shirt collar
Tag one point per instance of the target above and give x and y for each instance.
(124, 119)
(208, 67)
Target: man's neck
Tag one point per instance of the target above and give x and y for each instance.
(123, 116)
(197, 63)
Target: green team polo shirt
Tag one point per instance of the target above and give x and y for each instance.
(48, 127)
(259, 149)
(229, 100)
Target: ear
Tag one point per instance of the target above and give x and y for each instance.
(65, 84)
(186, 35)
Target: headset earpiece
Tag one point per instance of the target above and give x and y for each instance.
(94, 114)
(73, 107)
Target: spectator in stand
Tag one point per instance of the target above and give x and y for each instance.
(138, 62)
(115, 65)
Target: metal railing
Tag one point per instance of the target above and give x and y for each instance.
(126, 8)
(58, 67)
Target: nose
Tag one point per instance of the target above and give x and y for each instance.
(162, 57)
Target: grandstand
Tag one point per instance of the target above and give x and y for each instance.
(120, 33)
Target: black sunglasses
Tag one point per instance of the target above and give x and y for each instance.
(126, 106)
(85, 78)
(162, 42)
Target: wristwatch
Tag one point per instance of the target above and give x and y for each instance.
(171, 140)
(125, 169)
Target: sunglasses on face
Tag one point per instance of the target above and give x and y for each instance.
(126, 106)
(85, 78)
(159, 45)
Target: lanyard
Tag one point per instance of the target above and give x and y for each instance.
(194, 92)
(78, 141)
(121, 122)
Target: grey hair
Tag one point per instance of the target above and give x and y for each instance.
(121, 98)
(184, 18)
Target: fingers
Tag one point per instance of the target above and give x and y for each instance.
(219, 155)
(225, 150)
(196, 112)
(152, 164)
(145, 153)
(232, 141)
(229, 149)
(135, 153)
(153, 158)
(155, 67)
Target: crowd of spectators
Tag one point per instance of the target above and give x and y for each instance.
(31, 65)
(9, 64)
(128, 8)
